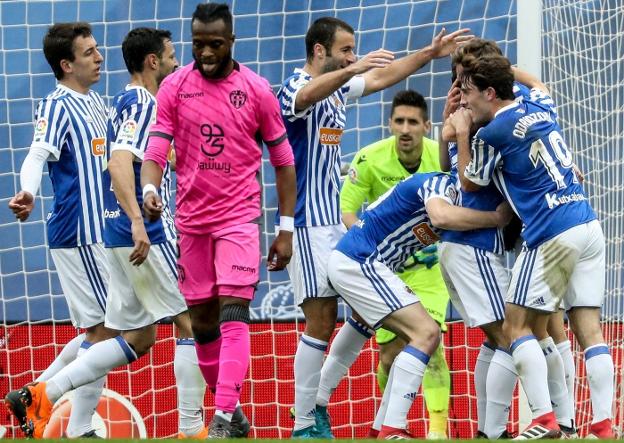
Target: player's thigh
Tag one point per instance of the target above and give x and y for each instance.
(371, 289)
(477, 281)
(142, 295)
(83, 274)
(587, 282)
(197, 278)
(237, 260)
(541, 276)
(312, 246)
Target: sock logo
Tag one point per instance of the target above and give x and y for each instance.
(410, 396)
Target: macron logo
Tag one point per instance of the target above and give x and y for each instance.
(190, 94)
(410, 396)
(553, 200)
(244, 269)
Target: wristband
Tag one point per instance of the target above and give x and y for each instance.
(287, 223)
(149, 188)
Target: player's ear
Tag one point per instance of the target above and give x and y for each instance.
(233, 38)
(427, 125)
(151, 61)
(66, 66)
(490, 93)
(319, 50)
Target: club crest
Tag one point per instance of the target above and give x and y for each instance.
(238, 98)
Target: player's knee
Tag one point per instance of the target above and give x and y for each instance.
(234, 312)
(208, 335)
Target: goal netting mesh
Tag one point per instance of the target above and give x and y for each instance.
(583, 64)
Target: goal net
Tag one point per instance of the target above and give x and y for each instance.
(583, 65)
(270, 40)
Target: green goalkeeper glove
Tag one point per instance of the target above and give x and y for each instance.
(427, 256)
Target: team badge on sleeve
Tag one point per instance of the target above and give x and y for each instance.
(353, 175)
(41, 127)
(127, 132)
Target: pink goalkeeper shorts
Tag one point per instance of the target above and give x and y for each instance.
(225, 263)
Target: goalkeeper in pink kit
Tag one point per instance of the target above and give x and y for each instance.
(217, 112)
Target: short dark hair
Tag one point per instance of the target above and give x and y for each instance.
(210, 12)
(323, 31)
(489, 71)
(410, 98)
(477, 47)
(139, 43)
(58, 43)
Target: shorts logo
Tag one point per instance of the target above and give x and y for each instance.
(330, 136)
(425, 234)
(238, 98)
(41, 126)
(249, 269)
(181, 273)
(98, 146)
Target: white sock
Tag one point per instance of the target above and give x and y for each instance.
(501, 382)
(344, 350)
(383, 406)
(480, 376)
(533, 371)
(556, 382)
(99, 359)
(67, 355)
(409, 370)
(191, 387)
(599, 366)
(86, 399)
(565, 350)
(308, 363)
(224, 415)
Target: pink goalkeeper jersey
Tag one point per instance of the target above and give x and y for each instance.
(218, 127)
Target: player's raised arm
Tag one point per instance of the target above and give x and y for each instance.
(326, 84)
(441, 46)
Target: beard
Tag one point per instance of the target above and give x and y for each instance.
(220, 70)
(330, 65)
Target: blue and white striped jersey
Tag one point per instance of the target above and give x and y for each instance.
(314, 134)
(132, 113)
(486, 199)
(523, 152)
(72, 127)
(397, 224)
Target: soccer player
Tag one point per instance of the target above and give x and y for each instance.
(216, 110)
(478, 294)
(374, 170)
(143, 286)
(70, 135)
(142, 289)
(362, 269)
(521, 149)
(313, 103)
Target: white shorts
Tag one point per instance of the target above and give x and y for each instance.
(568, 268)
(477, 281)
(307, 269)
(83, 273)
(141, 295)
(371, 289)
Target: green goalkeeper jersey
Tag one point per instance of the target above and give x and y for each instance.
(375, 169)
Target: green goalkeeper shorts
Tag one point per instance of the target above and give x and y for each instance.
(429, 286)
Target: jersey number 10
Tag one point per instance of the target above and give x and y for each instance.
(540, 152)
